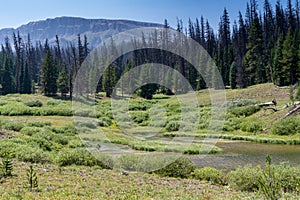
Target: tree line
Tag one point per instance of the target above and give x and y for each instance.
(25, 67)
(260, 46)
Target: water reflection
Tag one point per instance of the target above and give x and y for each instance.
(240, 153)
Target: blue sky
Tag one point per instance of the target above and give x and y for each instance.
(17, 12)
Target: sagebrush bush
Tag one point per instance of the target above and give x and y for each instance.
(180, 168)
(210, 174)
(245, 178)
(288, 126)
(34, 103)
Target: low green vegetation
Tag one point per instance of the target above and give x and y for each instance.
(41, 131)
(288, 126)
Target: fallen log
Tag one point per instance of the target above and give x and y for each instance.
(296, 109)
(266, 104)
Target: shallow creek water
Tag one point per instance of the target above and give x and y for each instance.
(240, 153)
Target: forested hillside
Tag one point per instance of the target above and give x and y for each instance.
(262, 45)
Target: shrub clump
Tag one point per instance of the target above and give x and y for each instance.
(172, 126)
(210, 174)
(104, 121)
(288, 126)
(245, 178)
(30, 130)
(69, 130)
(12, 125)
(180, 168)
(251, 126)
(78, 157)
(34, 103)
(140, 105)
(31, 154)
(140, 117)
(15, 109)
(288, 177)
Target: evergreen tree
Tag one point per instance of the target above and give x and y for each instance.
(109, 80)
(297, 10)
(191, 30)
(291, 19)
(49, 75)
(211, 44)
(225, 52)
(277, 66)
(8, 81)
(81, 52)
(280, 20)
(232, 75)
(269, 38)
(239, 46)
(289, 60)
(197, 31)
(63, 82)
(19, 58)
(255, 70)
(21, 79)
(26, 81)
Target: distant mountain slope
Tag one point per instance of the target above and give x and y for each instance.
(67, 28)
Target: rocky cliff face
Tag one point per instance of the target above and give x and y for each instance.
(67, 28)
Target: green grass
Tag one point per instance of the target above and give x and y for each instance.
(94, 183)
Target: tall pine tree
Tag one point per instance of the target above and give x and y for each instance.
(49, 75)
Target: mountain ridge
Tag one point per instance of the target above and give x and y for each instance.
(67, 29)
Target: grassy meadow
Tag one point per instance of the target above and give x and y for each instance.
(51, 135)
